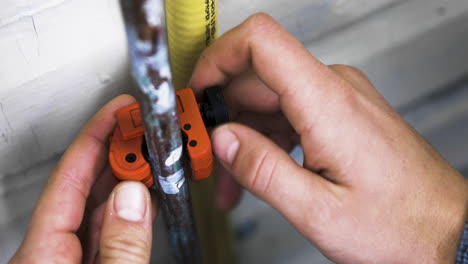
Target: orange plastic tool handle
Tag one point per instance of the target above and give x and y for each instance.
(126, 156)
(199, 144)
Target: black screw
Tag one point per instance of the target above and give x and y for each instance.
(187, 127)
(193, 143)
(131, 157)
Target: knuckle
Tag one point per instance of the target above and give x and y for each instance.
(350, 73)
(259, 18)
(347, 69)
(360, 89)
(259, 23)
(124, 248)
(71, 180)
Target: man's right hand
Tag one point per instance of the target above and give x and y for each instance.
(371, 189)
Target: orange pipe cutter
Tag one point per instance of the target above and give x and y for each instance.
(127, 145)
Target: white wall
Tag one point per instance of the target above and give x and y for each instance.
(61, 60)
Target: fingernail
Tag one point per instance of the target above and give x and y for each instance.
(226, 145)
(130, 202)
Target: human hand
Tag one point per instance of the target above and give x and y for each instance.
(72, 221)
(371, 189)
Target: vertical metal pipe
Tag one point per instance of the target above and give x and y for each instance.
(145, 26)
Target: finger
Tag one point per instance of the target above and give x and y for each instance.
(228, 190)
(60, 209)
(252, 45)
(248, 93)
(90, 241)
(102, 187)
(274, 126)
(127, 228)
(154, 203)
(62, 203)
(318, 103)
(265, 123)
(90, 228)
(270, 173)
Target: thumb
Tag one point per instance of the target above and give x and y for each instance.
(270, 173)
(126, 231)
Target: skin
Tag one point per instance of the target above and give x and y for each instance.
(76, 213)
(371, 189)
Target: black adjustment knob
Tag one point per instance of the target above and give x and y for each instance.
(214, 110)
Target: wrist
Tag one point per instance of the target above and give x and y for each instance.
(444, 223)
(458, 223)
(462, 255)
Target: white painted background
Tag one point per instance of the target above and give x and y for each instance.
(61, 60)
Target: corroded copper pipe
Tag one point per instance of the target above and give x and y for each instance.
(144, 22)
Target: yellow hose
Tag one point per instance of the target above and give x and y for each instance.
(192, 25)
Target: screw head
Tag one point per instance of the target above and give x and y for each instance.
(193, 143)
(131, 158)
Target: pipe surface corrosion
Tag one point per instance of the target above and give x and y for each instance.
(144, 23)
